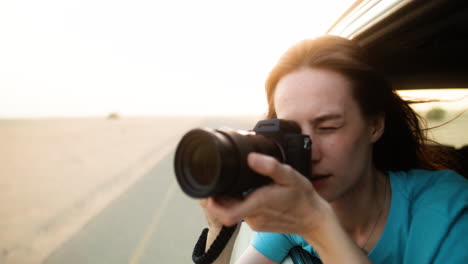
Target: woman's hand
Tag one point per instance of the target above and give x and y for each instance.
(290, 205)
(212, 220)
(215, 227)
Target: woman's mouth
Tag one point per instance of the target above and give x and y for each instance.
(319, 180)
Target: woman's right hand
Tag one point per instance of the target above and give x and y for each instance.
(215, 226)
(211, 220)
(207, 205)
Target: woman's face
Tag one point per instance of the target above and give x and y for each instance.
(321, 102)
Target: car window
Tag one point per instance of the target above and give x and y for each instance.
(446, 117)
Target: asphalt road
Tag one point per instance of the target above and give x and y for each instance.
(152, 222)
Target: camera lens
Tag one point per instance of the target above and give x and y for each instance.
(203, 163)
(203, 156)
(214, 162)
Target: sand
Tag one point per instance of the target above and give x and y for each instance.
(56, 174)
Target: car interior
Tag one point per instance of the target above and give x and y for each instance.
(421, 45)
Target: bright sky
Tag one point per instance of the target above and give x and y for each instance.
(147, 57)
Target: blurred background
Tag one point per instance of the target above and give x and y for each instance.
(94, 96)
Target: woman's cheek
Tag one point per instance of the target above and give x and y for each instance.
(334, 142)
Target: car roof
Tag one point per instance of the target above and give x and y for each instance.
(418, 44)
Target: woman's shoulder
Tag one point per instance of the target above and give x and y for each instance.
(416, 180)
(422, 180)
(428, 214)
(431, 190)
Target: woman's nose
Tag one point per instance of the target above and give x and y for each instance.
(316, 153)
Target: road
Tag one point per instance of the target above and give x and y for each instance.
(144, 218)
(152, 222)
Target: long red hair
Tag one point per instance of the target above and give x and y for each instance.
(404, 143)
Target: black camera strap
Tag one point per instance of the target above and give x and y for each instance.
(199, 255)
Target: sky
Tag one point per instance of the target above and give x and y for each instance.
(65, 58)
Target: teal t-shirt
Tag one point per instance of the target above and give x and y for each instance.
(427, 222)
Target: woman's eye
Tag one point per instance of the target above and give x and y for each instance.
(327, 128)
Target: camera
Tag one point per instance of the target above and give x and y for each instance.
(213, 162)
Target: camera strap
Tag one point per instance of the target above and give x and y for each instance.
(199, 255)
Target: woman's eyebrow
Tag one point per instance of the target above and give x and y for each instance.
(327, 117)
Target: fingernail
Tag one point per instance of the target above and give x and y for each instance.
(257, 158)
(254, 157)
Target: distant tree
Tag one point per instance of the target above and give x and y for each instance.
(113, 115)
(436, 114)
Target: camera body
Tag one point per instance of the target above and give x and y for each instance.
(214, 162)
(287, 134)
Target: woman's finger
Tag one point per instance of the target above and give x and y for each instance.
(203, 202)
(269, 166)
(224, 209)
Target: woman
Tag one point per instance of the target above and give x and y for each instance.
(374, 195)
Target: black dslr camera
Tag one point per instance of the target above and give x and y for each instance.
(214, 162)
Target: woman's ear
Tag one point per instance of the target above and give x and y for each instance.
(377, 126)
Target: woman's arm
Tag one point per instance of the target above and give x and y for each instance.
(333, 244)
(251, 256)
(225, 256)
